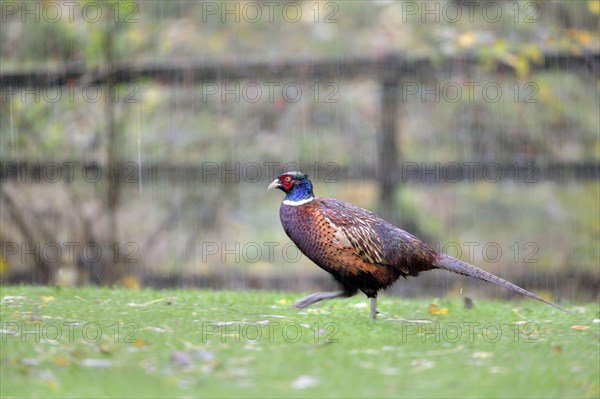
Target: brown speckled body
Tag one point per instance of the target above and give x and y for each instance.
(360, 249)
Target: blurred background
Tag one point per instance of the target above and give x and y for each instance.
(137, 138)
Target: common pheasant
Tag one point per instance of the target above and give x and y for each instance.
(360, 249)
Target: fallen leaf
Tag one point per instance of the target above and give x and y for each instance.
(12, 299)
(557, 349)
(467, 39)
(203, 355)
(547, 295)
(9, 331)
(46, 299)
(187, 359)
(157, 329)
(482, 355)
(305, 381)
(390, 371)
(35, 315)
(131, 282)
(433, 309)
(181, 358)
(104, 348)
(421, 364)
(580, 328)
(61, 361)
(97, 363)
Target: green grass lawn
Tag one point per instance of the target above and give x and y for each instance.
(181, 343)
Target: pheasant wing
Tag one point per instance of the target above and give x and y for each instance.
(354, 228)
(378, 241)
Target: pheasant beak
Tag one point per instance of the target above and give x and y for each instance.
(274, 184)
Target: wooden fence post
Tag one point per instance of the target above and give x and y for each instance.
(386, 154)
(386, 146)
(388, 158)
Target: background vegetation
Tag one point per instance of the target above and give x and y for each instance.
(172, 221)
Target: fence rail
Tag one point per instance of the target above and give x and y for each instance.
(387, 68)
(408, 172)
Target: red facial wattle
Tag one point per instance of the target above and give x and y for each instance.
(287, 184)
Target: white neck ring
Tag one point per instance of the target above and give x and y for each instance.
(297, 203)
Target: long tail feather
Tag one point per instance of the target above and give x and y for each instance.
(457, 266)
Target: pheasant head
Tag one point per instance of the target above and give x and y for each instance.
(297, 187)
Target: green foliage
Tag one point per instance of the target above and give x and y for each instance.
(175, 124)
(512, 32)
(533, 215)
(253, 344)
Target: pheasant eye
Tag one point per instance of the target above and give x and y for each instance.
(287, 182)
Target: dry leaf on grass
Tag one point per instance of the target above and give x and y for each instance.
(433, 309)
